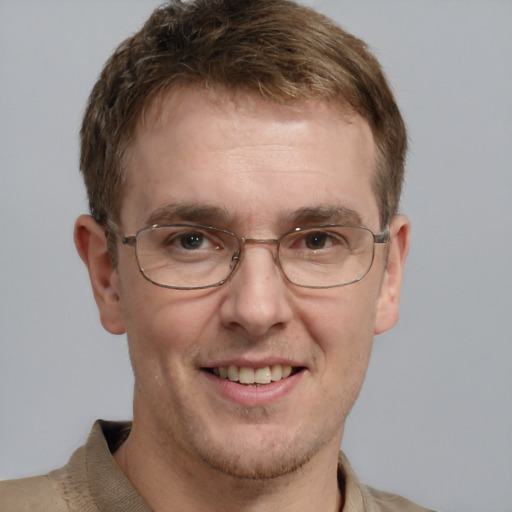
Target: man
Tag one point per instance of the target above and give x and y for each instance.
(243, 161)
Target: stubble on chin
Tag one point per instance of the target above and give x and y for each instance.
(266, 467)
(261, 459)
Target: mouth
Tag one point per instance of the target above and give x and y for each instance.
(254, 376)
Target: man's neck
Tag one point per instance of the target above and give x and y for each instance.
(191, 486)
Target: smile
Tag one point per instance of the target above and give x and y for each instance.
(248, 375)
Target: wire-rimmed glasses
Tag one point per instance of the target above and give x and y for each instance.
(192, 256)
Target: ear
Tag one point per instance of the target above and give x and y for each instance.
(389, 297)
(91, 244)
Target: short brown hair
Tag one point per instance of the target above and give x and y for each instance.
(276, 48)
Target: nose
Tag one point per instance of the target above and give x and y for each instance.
(257, 299)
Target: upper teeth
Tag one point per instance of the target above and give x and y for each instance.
(246, 375)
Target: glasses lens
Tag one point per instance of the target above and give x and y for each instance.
(326, 256)
(185, 256)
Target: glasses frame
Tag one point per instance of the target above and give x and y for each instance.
(131, 240)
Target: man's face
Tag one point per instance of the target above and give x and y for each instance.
(256, 169)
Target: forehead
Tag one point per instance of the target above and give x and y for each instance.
(239, 152)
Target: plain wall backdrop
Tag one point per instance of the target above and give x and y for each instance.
(434, 419)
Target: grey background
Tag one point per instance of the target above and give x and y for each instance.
(434, 419)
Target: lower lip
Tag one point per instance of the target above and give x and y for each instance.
(253, 395)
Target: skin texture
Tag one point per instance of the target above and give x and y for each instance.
(196, 440)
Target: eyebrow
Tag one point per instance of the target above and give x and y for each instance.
(323, 215)
(213, 215)
(186, 212)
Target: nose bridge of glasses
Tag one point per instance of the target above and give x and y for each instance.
(273, 242)
(261, 241)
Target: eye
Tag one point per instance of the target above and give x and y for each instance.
(317, 240)
(160, 245)
(191, 241)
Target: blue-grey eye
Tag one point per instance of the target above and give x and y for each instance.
(191, 241)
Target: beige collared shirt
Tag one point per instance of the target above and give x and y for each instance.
(92, 482)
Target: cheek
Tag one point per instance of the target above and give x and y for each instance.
(345, 317)
(163, 330)
(166, 323)
(342, 327)
(342, 330)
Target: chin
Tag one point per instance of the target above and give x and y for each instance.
(243, 467)
(259, 455)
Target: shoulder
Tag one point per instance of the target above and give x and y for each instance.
(361, 497)
(385, 501)
(90, 477)
(61, 490)
(34, 494)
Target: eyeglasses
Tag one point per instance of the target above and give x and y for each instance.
(190, 256)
